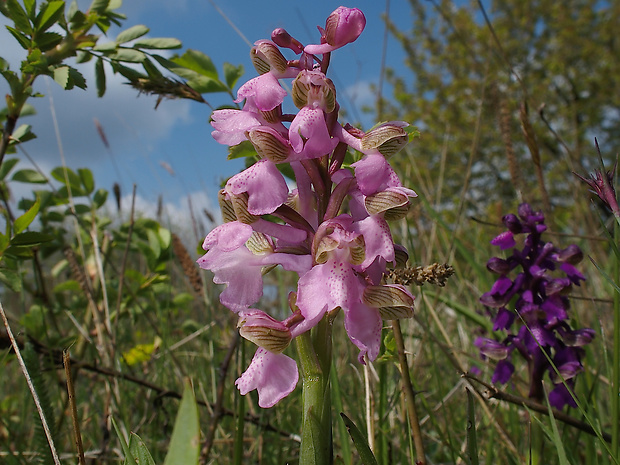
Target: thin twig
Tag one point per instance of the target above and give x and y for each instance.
(37, 402)
(66, 358)
(494, 393)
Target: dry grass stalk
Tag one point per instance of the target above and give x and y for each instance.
(419, 275)
(187, 264)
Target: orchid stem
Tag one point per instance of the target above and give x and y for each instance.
(615, 385)
(315, 360)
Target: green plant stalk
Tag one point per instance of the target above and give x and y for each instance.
(615, 385)
(240, 420)
(316, 434)
(414, 422)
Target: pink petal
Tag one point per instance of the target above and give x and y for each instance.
(273, 375)
(308, 133)
(372, 172)
(363, 325)
(264, 184)
(378, 239)
(231, 125)
(265, 92)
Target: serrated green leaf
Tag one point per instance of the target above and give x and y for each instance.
(30, 238)
(47, 40)
(361, 445)
(61, 76)
(100, 80)
(27, 110)
(19, 16)
(7, 166)
(22, 38)
(232, 73)
(128, 55)
(131, 34)
(185, 441)
(31, 8)
(12, 279)
(30, 176)
(198, 62)
(21, 223)
(49, 14)
(87, 179)
(158, 43)
(76, 79)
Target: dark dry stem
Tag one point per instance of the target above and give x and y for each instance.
(494, 393)
(414, 421)
(66, 358)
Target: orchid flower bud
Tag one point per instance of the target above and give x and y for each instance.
(266, 56)
(264, 331)
(387, 138)
(313, 89)
(283, 39)
(342, 27)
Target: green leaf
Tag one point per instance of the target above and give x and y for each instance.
(22, 134)
(100, 81)
(31, 8)
(61, 76)
(59, 175)
(131, 34)
(99, 6)
(128, 55)
(472, 442)
(158, 43)
(232, 74)
(21, 223)
(185, 441)
(88, 181)
(105, 47)
(30, 176)
(48, 40)
(49, 15)
(19, 16)
(11, 278)
(153, 242)
(129, 458)
(242, 150)
(366, 455)
(140, 451)
(100, 198)
(165, 237)
(198, 62)
(30, 238)
(22, 38)
(7, 166)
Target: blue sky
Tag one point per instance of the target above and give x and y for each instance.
(143, 139)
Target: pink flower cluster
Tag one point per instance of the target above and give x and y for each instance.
(340, 254)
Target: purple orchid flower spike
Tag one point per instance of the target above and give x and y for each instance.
(535, 298)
